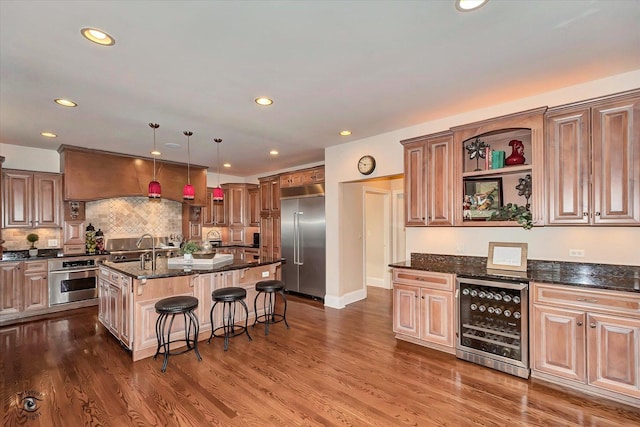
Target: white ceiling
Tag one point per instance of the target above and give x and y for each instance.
(367, 66)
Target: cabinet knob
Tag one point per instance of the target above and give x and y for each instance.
(597, 213)
(592, 325)
(585, 213)
(579, 323)
(422, 297)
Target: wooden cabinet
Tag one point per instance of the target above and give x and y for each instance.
(23, 288)
(428, 167)
(10, 288)
(270, 242)
(423, 308)
(302, 177)
(215, 214)
(473, 178)
(253, 196)
(593, 162)
(192, 222)
(116, 304)
(587, 339)
(31, 199)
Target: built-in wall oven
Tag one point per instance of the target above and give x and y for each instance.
(73, 279)
(493, 327)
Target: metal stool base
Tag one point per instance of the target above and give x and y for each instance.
(165, 344)
(229, 328)
(269, 305)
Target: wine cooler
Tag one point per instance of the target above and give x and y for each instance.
(493, 327)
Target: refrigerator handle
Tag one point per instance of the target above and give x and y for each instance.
(299, 238)
(295, 238)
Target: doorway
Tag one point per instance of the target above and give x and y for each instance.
(377, 237)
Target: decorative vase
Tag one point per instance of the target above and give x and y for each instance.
(188, 257)
(517, 153)
(33, 252)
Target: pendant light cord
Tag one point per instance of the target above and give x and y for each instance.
(154, 126)
(218, 141)
(188, 133)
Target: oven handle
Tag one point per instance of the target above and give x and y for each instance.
(73, 271)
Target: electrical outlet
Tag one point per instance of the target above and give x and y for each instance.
(460, 248)
(52, 243)
(576, 253)
(265, 274)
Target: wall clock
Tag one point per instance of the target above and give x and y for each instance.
(366, 164)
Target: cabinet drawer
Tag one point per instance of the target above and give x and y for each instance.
(626, 303)
(427, 279)
(35, 266)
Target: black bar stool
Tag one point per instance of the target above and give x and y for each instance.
(170, 307)
(269, 290)
(228, 297)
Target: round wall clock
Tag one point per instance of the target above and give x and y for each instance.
(366, 164)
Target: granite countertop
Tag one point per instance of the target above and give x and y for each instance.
(162, 270)
(597, 276)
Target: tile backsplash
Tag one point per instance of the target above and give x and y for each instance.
(134, 216)
(15, 239)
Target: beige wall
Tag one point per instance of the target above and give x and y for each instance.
(350, 237)
(31, 159)
(605, 245)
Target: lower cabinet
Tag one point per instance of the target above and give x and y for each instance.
(587, 339)
(115, 304)
(23, 289)
(423, 308)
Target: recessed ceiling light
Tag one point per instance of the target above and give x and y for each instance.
(227, 165)
(65, 102)
(172, 145)
(345, 132)
(48, 134)
(98, 36)
(264, 101)
(156, 153)
(274, 152)
(469, 5)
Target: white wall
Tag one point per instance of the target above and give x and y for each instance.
(605, 245)
(27, 158)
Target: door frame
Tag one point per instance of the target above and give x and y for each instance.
(386, 234)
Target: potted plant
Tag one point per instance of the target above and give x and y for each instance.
(513, 212)
(188, 248)
(33, 238)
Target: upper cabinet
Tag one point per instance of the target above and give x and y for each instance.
(302, 177)
(269, 195)
(428, 180)
(593, 162)
(215, 214)
(31, 199)
(484, 182)
(253, 195)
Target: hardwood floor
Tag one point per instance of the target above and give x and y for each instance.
(333, 367)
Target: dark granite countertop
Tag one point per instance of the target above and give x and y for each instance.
(133, 269)
(23, 255)
(596, 276)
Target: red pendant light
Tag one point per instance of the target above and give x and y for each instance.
(155, 191)
(188, 193)
(218, 192)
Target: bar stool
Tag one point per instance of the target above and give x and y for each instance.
(269, 290)
(170, 307)
(228, 297)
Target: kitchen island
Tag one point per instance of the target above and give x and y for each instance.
(127, 295)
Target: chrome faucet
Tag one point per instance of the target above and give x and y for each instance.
(153, 252)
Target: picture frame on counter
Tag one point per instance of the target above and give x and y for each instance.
(482, 197)
(508, 256)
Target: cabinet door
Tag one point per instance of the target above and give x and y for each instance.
(613, 351)
(274, 190)
(253, 196)
(616, 162)
(440, 181)
(414, 184)
(35, 295)
(17, 199)
(10, 287)
(558, 342)
(220, 212)
(74, 233)
(236, 203)
(47, 201)
(115, 308)
(270, 244)
(207, 209)
(102, 299)
(405, 310)
(568, 167)
(436, 317)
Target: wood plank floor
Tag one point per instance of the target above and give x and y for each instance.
(333, 367)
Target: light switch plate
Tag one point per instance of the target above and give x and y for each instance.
(52, 243)
(576, 253)
(265, 274)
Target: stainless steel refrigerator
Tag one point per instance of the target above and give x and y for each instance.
(303, 245)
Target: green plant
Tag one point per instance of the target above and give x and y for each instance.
(189, 247)
(513, 212)
(32, 238)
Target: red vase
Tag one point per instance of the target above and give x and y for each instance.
(517, 153)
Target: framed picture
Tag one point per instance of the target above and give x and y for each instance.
(482, 197)
(507, 256)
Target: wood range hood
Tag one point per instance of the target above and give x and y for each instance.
(94, 175)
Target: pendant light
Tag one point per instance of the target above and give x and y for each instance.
(155, 191)
(188, 193)
(218, 193)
